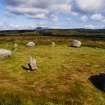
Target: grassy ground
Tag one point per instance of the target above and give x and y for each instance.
(61, 78)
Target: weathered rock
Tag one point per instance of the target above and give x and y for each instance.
(76, 43)
(32, 63)
(30, 44)
(5, 53)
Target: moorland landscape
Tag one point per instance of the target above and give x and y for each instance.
(52, 52)
(63, 73)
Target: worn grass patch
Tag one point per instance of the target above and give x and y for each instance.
(61, 78)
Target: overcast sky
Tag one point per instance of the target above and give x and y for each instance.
(28, 14)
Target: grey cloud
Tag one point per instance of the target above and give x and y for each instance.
(31, 12)
(36, 8)
(14, 2)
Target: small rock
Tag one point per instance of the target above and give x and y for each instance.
(53, 44)
(15, 46)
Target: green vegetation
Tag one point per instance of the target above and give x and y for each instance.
(61, 78)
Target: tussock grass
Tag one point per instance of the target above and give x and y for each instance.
(61, 78)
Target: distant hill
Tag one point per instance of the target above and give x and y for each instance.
(97, 33)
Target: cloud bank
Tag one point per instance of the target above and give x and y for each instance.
(78, 10)
(37, 8)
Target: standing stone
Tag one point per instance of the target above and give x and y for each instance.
(76, 43)
(32, 63)
(30, 44)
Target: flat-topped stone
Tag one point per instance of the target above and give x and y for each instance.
(30, 44)
(76, 43)
(5, 52)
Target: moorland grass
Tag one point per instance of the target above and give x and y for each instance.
(61, 78)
